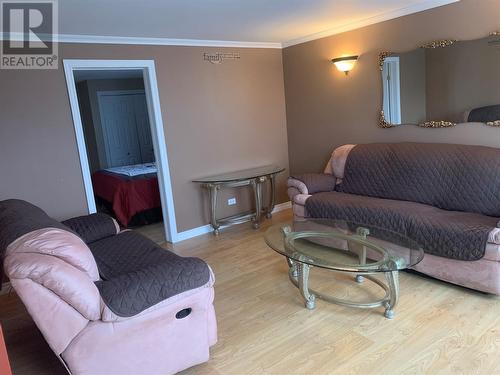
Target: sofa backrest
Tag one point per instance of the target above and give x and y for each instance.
(451, 177)
(52, 270)
(25, 228)
(18, 217)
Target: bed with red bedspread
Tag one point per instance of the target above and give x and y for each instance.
(127, 195)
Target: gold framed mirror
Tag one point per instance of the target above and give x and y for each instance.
(442, 83)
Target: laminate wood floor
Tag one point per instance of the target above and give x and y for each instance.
(265, 329)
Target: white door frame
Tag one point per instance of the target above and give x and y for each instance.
(155, 120)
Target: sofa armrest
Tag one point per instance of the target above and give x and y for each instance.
(93, 227)
(129, 294)
(296, 187)
(107, 315)
(311, 183)
(494, 236)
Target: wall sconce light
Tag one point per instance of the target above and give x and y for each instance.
(345, 64)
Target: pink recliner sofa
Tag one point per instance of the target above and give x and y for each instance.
(106, 327)
(449, 184)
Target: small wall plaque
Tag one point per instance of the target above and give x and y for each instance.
(219, 57)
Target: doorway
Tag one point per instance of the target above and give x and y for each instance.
(125, 143)
(392, 90)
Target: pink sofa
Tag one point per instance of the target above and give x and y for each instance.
(482, 274)
(56, 276)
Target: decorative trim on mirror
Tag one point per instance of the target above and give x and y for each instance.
(493, 123)
(382, 123)
(439, 43)
(437, 124)
(381, 58)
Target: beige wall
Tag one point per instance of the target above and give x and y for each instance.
(462, 77)
(326, 109)
(217, 118)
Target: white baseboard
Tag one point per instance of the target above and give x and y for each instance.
(190, 233)
(195, 232)
(282, 206)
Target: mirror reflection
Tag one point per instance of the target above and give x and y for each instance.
(456, 84)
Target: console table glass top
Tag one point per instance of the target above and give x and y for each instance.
(342, 246)
(255, 178)
(241, 175)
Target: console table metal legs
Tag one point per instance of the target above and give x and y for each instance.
(212, 191)
(255, 216)
(257, 191)
(272, 182)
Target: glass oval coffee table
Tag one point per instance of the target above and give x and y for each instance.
(341, 246)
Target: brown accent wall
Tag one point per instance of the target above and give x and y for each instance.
(412, 81)
(474, 78)
(217, 118)
(326, 109)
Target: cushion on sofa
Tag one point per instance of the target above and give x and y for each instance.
(451, 234)
(93, 227)
(484, 114)
(451, 177)
(336, 164)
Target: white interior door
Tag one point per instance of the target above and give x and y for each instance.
(119, 128)
(143, 128)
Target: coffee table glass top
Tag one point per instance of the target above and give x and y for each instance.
(241, 175)
(344, 246)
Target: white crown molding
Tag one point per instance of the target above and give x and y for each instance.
(98, 39)
(101, 39)
(65, 38)
(386, 16)
(190, 233)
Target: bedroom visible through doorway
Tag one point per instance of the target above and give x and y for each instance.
(119, 144)
(120, 148)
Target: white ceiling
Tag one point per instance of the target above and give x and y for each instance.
(263, 21)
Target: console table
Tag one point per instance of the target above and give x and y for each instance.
(255, 178)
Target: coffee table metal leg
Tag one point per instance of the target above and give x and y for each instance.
(362, 260)
(292, 269)
(363, 233)
(393, 281)
(303, 275)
